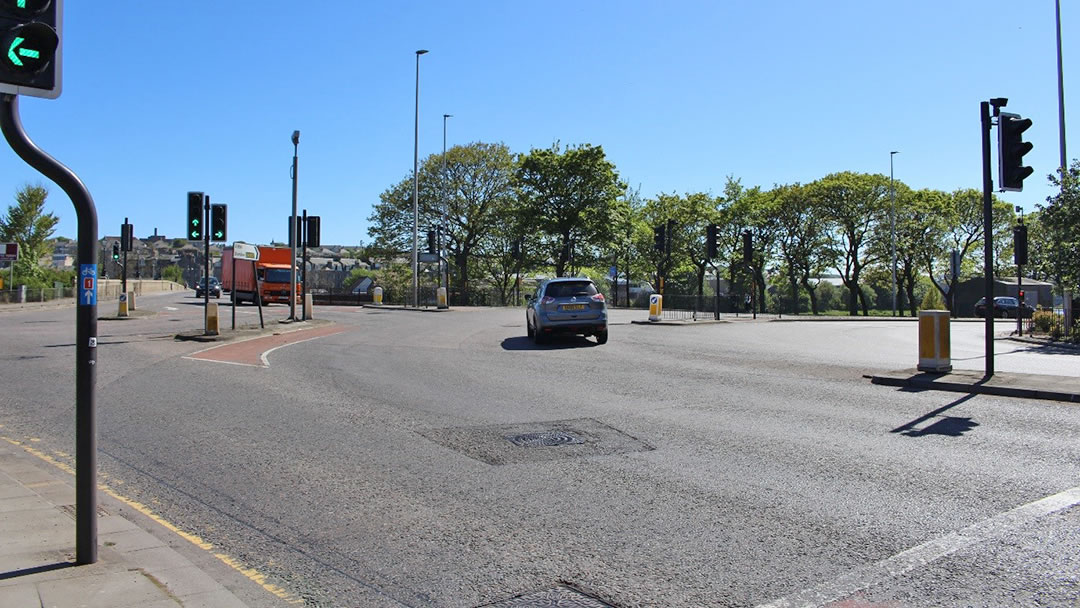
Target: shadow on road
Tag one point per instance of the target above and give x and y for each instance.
(948, 426)
(554, 343)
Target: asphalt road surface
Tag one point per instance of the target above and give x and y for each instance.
(402, 461)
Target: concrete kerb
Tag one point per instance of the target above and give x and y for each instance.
(251, 331)
(1002, 384)
(404, 308)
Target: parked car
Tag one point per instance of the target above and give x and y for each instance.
(566, 306)
(215, 288)
(1004, 307)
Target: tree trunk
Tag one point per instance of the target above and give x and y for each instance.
(794, 293)
(812, 291)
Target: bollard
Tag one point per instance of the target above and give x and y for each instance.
(309, 308)
(934, 347)
(212, 319)
(656, 307)
(378, 296)
(123, 311)
(131, 300)
(441, 297)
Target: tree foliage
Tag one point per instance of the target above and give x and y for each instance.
(568, 199)
(26, 224)
(1060, 219)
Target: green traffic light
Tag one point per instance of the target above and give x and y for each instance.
(219, 234)
(194, 222)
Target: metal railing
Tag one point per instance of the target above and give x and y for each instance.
(34, 294)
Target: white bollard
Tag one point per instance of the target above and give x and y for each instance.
(378, 296)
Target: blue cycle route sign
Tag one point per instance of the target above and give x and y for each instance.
(87, 284)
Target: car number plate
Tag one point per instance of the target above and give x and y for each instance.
(573, 307)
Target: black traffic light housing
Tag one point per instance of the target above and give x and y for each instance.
(1020, 245)
(194, 230)
(747, 248)
(659, 237)
(1011, 151)
(126, 237)
(431, 241)
(116, 250)
(314, 224)
(30, 47)
(712, 233)
(219, 222)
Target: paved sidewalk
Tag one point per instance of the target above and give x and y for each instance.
(1006, 384)
(37, 552)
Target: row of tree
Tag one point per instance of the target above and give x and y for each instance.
(565, 210)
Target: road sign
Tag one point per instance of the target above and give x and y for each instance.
(88, 291)
(245, 251)
(428, 258)
(9, 252)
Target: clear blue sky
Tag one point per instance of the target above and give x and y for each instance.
(164, 97)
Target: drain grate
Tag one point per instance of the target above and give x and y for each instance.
(544, 439)
(559, 596)
(69, 510)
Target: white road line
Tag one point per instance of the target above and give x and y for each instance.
(921, 555)
(266, 363)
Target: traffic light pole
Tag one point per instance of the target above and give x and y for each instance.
(303, 276)
(123, 275)
(988, 238)
(85, 325)
(206, 264)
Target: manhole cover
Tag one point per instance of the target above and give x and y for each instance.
(544, 439)
(559, 596)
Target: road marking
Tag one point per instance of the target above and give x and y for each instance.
(249, 573)
(930, 551)
(252, 352)
(171, 308)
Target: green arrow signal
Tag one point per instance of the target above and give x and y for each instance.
(219, 234)
(194, 234)
(21, 3)
(194, 222)
(28, 53)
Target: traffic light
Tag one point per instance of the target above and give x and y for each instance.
(515, 250)
(1020, 249)
(299, 231)
(116, 250)
(1021, 295)
(313, 226)
(431, 241)
(659, 237)
(712, 232)
(195, 216)
(1011, 151)
(126, 238)
(30, 51)
(747, 248)
(218, 223)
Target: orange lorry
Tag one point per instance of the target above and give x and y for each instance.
(273, 274)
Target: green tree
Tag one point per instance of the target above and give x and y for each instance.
(854, 204)
(26, 224)
(173, 273)
(803, 241)
(474, 195)
(1060, 218)
(568, 200)
(920, 226)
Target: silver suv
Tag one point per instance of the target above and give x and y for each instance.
(566, 306)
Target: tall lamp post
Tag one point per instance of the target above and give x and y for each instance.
(292, 230)
(892, 195)
(445, 227)
(416, 187)
(1061, 89)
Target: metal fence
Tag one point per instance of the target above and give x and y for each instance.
(34, 294)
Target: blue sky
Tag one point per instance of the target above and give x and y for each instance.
(160, 98)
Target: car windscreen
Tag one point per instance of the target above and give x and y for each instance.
(277, 275)
(567, 289)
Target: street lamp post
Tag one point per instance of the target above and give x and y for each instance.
(292, 230)
(445, 216)
(416, 188)
(892, 195)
